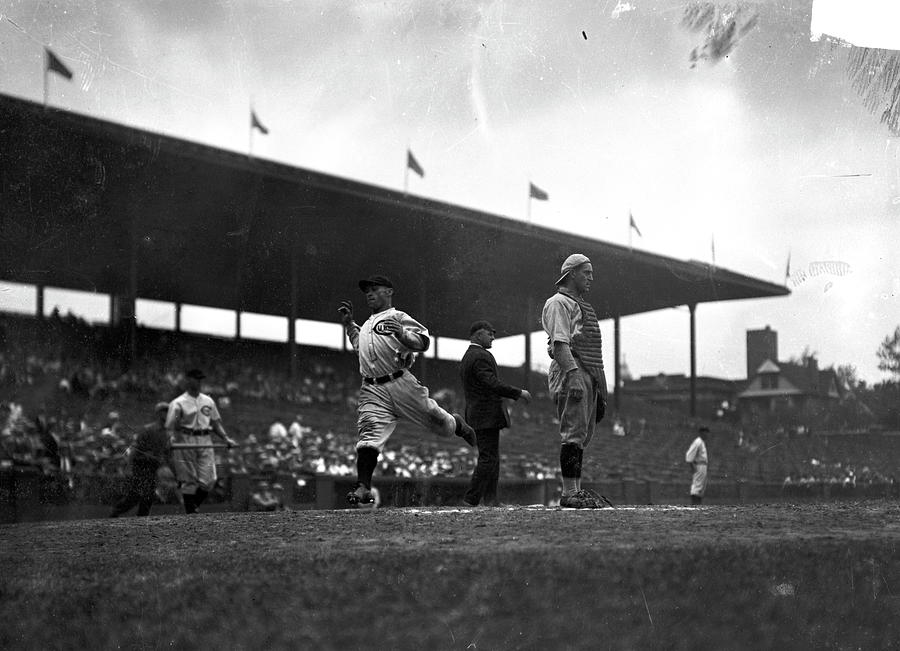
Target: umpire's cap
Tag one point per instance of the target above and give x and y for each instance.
(478, 325)
(571, 263)
(195, 373)
(376, 280)
(161, 406)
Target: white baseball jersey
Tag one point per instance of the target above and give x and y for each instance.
(697, 452)
(192, 413)
(380, 352)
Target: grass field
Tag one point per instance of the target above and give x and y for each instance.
(716, 577)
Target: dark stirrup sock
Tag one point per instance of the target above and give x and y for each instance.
(570, 460)
(366, 462)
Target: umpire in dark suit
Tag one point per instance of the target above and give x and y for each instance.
(485, 411)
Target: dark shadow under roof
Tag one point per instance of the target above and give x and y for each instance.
(83, 197)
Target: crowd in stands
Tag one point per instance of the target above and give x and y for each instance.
(838, 473)
(68, 362)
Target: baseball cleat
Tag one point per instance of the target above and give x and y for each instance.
(583, 499)
(464, 431)
(360, 495)
(603, 501)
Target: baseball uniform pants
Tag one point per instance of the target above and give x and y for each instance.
(577, 418)
(698, 484)
(381, 405)
(196, 468)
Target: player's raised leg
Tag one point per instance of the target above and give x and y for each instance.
(412, 402)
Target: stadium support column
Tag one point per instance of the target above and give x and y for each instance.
(693, 308)
(423, 304)
(237, 325)
(123, 313)
(178, 317)
(617, 355)
(529, 308)
(292, 316)
(39, 290)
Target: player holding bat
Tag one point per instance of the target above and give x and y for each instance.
(387, 345)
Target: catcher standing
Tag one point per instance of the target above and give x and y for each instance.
(193, 416)
(576, 380)
(387, 345)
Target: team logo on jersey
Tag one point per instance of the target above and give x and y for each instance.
(381, 328)
(206, 410)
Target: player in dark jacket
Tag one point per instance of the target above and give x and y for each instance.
(150, 450)
(485, 411)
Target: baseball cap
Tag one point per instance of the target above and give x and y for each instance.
(195, 373)
(572, 262)
(383, 281)
(161, 406)
(478, 325)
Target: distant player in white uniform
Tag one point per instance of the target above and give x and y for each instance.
(191, 419)
(698, 461)
(387, 345)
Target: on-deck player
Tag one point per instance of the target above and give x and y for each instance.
(387, 345)
(194, 417)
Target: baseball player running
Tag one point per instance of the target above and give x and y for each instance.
(387, 345)
(194, 416)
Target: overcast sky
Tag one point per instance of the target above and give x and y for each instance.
(768, 150)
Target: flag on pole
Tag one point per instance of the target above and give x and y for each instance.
(633, 224)
(713, 245)
(413, 164)
(57, 66)
(536, 193)
(787, 269)
(256, 124)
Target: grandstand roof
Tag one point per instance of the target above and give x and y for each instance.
(84, 197)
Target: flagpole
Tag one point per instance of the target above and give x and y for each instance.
(787, 269)
(629, 230)
(406, 174)
(250, 137)
(528, 205)
(46, 75)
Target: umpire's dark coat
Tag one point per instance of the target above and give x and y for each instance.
(484, 390)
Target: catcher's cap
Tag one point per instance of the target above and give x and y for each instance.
(571, 263)
(372, 281)
(161, 406)
(482, 324)
(195, 373)
(703, 430)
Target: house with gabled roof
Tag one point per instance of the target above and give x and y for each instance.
(789, 394)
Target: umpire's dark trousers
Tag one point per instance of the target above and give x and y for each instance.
(140, 489)
(483, 487)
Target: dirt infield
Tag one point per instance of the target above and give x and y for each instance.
(749, 577)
